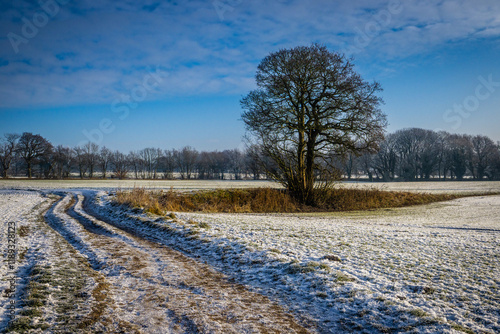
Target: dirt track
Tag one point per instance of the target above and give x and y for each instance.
(136, 285)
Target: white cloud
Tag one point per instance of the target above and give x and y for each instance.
(110, 45)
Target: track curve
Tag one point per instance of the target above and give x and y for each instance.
(155, 289)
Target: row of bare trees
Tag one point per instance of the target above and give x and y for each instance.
(34, 156)
(418, 154)
(409, 154)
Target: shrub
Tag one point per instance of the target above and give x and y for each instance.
(419, 313)
(270, 200)
(154, 208)
(341, 277)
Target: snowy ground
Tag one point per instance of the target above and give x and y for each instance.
(76, 272)
(126, 184)
(428, 269)
(429, 187)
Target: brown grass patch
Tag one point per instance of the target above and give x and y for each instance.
(99, 293)
(227, 200)
(70, 204)
(342, 199)
(269, 200)
(23, 231)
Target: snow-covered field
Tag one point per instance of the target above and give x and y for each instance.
(76, 272)
(427, 269)
(429, 187)
(127, 184)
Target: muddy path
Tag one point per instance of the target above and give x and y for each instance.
(144, 287)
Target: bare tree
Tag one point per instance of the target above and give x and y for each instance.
(7, 151)
(168, 164)
(441, 146)
(429, 155)
(204, 165)
(136, 163)
(253, 161)
(495, 174)
(457, 155)
(158, 155)
(385, 161)
(31, 147)
(212, 165)
(46, 164)
(186, 161)
(366, 165)
(408, 144)
(104, 160)
(81, 161)
(417, 153)
(349, 164)
(234, 160)
(151, 160)
(148, 156)
(91, 155)
(483, 155)
(120, 164)
(62, 159)
(219, 165)
(310, 102)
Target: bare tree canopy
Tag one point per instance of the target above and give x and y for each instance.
(30, 148)
(7, 151)
(309, 103)
(409, 154)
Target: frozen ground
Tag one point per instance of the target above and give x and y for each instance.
(79, 271)
(430, 187)
(434, 187)
(428, 269)
(125, 184)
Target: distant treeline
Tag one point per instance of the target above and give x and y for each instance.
(418, 154)
(409, 154)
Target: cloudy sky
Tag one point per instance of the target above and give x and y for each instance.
(135, 74)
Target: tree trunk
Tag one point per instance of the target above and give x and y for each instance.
(28, 163)
(299, 181)
(310, 157)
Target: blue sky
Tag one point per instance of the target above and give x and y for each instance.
(135, 74)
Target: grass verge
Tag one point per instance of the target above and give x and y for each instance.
(269, 200)
(31, 317)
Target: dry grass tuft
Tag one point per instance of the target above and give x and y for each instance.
(342, 199)
(99, 294)
(230, 200)
(71, 203)
(269, 200)
(23, 231)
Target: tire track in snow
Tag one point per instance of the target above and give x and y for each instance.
(160, 290)
(16, 214)
(54, 280)
(56, 219)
